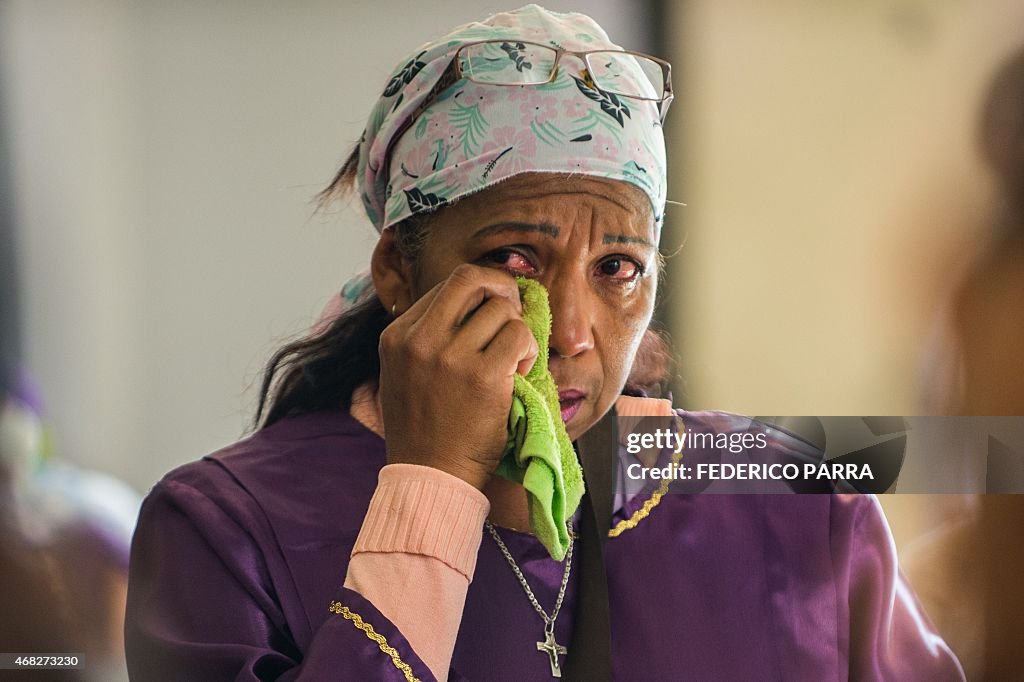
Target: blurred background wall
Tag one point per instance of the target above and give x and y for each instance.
(828, 155)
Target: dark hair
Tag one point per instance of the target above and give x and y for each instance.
(321, 371)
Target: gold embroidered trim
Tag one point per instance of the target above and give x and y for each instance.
(650, 503)
(357, 620)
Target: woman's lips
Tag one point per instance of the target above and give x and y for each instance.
(570, 402)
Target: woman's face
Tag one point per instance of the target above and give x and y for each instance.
(590, 241)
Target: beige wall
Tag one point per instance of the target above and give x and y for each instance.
(826, 154)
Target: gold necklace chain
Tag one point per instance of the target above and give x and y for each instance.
(649, 504)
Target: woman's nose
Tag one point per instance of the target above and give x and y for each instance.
(571, 324)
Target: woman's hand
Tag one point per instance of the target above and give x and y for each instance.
(447, 367)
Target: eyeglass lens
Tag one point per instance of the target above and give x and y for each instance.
(518, 63)
(508, 63)
(627, 74)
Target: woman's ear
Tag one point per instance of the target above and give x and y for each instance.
(392, 273)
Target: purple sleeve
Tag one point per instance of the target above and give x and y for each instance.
(890, 637)
(202, 606)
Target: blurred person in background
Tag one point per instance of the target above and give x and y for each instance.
(64, 532)
(989, 304)
(78, 524)
(967, 573)
(34, 615)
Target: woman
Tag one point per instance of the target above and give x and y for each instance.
(361, 532)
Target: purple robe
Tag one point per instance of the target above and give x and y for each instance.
(238, 556)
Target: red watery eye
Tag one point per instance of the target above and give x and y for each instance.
(511, 260)
(619, 268)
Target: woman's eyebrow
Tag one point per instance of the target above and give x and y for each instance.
(625, 239)
(497, 228)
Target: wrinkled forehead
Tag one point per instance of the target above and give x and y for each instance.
(562, 201)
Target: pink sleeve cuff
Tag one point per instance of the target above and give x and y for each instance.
(631, 406)
(422, 510)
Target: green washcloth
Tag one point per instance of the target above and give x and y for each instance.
(539, 454)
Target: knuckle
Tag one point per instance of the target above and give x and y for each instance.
(526, 342)
(508, 299)
(449, 363)
(388, 340)
(465, 274)
(520, 331)
(418, 347)
(514, 309)
(503, 308)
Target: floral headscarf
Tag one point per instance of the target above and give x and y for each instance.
(470, 135)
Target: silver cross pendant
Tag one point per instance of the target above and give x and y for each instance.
(552, 649)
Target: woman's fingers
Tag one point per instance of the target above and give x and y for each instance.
(463, 292)
(447, 366)
(512, 350)
(484, 324)
(498, 332)
(508, 348)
